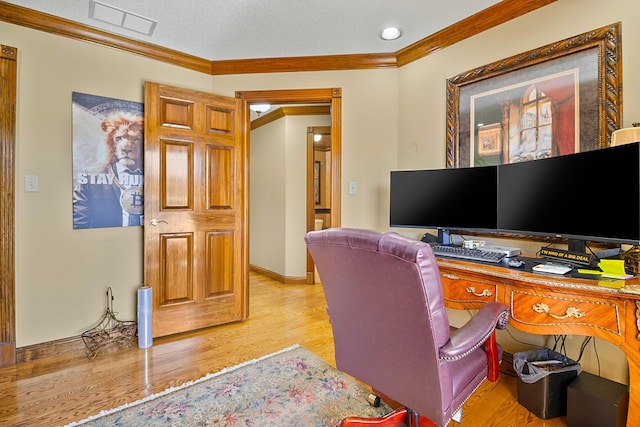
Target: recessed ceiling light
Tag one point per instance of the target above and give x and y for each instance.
(390, 33)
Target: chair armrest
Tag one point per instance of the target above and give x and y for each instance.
(476, 331)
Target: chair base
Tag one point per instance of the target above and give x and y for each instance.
(401, 417)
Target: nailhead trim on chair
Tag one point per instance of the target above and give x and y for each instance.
(466, 353)
(475, 347)
(465, 401)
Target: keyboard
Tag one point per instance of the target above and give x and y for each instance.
(468, 253)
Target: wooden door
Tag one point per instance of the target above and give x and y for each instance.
(195, 251)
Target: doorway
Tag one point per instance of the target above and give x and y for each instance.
(332, 98)
(318, 185)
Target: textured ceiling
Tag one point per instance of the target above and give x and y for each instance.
(249, 29)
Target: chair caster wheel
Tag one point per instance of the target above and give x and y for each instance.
(373, 400)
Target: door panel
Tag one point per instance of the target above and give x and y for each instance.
(177, 174)
(195, 216)
(176, 279)
(220, 177)
(219, 265)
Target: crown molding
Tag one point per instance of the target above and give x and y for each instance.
(29, 18)
(497, 14)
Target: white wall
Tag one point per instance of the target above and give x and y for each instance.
(267, 197)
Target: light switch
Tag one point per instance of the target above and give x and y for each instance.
(31, 183)
(353, 187)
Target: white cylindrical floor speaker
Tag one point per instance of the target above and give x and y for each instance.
(145, 305)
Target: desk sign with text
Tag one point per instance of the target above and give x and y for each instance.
(576, 257)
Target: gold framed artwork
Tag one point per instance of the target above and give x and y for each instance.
(558, 99)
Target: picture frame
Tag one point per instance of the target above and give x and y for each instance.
(489, 139)
(561, 98)
(108, 186)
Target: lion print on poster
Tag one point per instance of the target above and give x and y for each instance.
(108, 155)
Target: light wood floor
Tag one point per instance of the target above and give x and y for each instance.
(60, 389)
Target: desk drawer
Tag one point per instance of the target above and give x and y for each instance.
(467, 292)
(536, 311)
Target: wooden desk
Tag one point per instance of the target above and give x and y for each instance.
(547, 305)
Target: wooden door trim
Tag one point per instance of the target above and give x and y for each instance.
(332, 96)
(8, 72)
(310, 202)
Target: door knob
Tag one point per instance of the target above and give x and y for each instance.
(155, 222)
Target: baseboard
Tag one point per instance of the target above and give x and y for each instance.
(64, 350)
(71, 347)
(279, 277)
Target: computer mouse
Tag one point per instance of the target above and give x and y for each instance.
(515, 263)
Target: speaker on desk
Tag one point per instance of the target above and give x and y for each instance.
(430, 239)
(593, 401)
(444, 238)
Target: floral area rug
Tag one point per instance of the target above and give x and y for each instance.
(292, 387)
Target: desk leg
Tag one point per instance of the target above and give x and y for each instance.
(631, 348)
(633, 415)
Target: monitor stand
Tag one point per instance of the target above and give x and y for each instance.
(577, 245)
(444, 237)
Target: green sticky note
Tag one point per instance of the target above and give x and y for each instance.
(612, 266)
(585, 271)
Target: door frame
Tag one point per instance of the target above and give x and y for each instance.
(332, 96)
(8, 72)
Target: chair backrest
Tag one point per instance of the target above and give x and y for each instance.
(386, 307)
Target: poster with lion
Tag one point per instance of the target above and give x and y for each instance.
(108, 155)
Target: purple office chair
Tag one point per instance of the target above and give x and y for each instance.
(391, 329)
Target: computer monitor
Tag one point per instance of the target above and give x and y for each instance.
(588, 196)
(462, 199)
